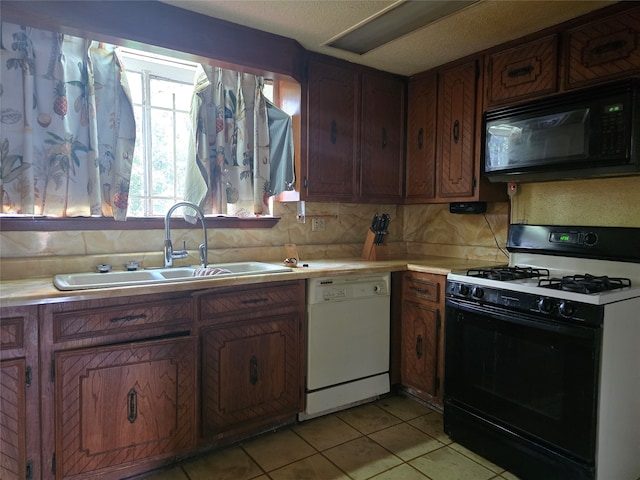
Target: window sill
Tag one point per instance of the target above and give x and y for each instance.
(48, 224)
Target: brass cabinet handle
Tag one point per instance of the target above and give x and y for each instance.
(608, 47)
(253, 370)
(254, 300)
(128, 318)
(132, 404)
(520, 72)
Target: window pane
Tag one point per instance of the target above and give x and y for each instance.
(135, 86)
(161, 206)
(184, 93)
(162, 152)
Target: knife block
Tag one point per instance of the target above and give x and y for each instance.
(371, 251)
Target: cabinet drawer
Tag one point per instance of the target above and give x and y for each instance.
(522, 72)
(132, 318)
(604, 49)
(245, 300)
(421, 286)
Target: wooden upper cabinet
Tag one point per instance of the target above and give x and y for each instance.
(457, 131)
(420, 169)
(333, 109)
(523, 72)
(382, 143)
(355, 133)
(603, 49)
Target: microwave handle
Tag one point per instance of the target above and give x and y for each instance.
(456, 131)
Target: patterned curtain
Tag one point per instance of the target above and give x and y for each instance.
(229, 148)
(68, 129)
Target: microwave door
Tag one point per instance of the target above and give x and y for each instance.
(537, 141)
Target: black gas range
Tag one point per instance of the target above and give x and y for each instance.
(540, 354)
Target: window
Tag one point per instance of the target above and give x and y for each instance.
(161, 90)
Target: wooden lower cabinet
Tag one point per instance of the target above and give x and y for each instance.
(247, 376)
(251, 351)
(422, 337)
(118, 405)
(19, 394)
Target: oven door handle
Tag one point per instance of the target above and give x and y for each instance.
(518, 318)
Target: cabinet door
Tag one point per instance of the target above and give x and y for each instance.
(13, 415)
(250, 373)
(20, 428)
(604, 49)
(120, 405)
(382, 147)
(420, 175)
(522, 72)
(457, 112)
(333, 107)
(420, 346)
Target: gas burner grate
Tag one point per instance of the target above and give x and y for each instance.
(585, 283)
(508, 273)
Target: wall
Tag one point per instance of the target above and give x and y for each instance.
(599, 201)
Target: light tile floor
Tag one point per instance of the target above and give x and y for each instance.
(395, 438)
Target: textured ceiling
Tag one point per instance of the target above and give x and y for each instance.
(477, 27)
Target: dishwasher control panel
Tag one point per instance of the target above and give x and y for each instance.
(349, 287)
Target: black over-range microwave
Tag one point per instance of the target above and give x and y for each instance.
(587, 133)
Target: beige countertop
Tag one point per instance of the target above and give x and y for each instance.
(41, 290)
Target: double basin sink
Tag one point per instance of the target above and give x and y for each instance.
(80, 281)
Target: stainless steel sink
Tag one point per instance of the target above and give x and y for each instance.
(81, 281)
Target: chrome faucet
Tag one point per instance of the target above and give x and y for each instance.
(169, 253)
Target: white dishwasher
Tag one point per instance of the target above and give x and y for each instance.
(347, 341)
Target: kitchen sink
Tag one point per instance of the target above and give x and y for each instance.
(81, 281)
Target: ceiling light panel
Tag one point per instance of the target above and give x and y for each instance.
(396, 22)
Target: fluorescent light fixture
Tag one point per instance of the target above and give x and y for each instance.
(396, 22)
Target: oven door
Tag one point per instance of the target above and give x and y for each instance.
(534, 378)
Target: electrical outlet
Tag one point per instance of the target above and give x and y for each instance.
(317, 224)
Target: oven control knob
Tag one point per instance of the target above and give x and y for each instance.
(477, 292)
(566, 309)
(545, 305)
(590, 239)
(464, 290)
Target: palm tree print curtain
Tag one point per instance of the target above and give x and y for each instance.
(229, 151)
(68, 129)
